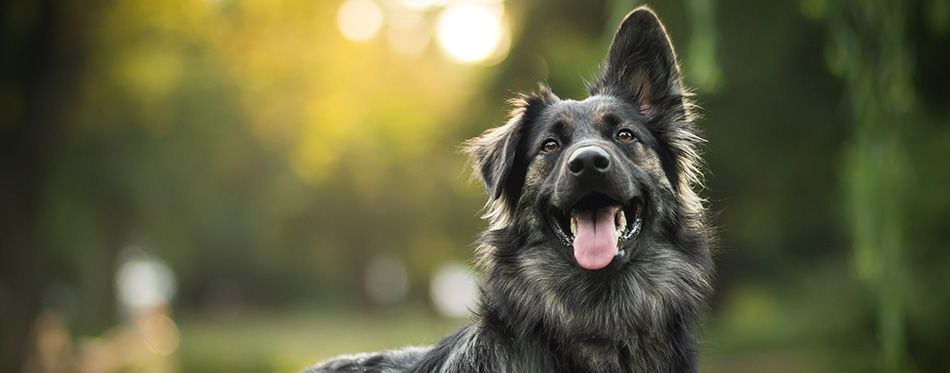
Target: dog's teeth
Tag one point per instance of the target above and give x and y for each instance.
(621, 221)
(573, 225)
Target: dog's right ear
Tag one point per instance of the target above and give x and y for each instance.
(495, 152)
(641, 61)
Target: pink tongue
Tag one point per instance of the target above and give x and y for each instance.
(595, 243)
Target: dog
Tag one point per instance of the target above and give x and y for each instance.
(597, 257)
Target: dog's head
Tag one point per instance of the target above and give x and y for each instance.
(599, 191)
(595, 169)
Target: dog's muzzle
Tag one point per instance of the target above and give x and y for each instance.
(599, 218)
(589, 163)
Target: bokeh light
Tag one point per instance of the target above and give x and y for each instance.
(421, 4)
(472, 32)
(408, 32)
(454, 290)
(386, 280)
(467, 31)
(161, 334)
(359, 20)
(144, 281)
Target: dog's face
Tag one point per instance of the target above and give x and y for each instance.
(592, 207)
(594, 169)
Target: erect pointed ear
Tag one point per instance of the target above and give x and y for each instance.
(494, 153)
(641, 61)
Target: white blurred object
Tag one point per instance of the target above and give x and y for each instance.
(454, 290)
(359, 20)
(386, 280)
(143, 281)
(473, 32)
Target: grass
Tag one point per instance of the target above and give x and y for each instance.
(289, 340)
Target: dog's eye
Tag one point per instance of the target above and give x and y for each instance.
(625, 136)
(549, 146)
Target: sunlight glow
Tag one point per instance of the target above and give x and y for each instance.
(472, 32)
(421, 4)
(359, 20)
(408, 32)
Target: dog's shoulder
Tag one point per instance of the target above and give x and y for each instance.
(476, 348)
(462, 351)
(389, 361)
(472, 348)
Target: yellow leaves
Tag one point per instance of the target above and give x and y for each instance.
(301, 88)
(150, 74)
(323, 139)
(378, 121)
(181, 19)
(149, 71)
(140, 56)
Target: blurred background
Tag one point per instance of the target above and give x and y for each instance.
(245, 186)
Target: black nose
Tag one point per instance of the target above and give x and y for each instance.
(589, 162)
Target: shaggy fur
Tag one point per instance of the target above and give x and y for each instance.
(540, 310)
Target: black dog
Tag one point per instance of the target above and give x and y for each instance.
(597, 258)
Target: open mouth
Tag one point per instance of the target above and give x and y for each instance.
(595, 226)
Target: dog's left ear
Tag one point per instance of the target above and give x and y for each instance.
(495, 152)
(641, 61)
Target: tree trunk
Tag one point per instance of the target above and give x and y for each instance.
(37, 73)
